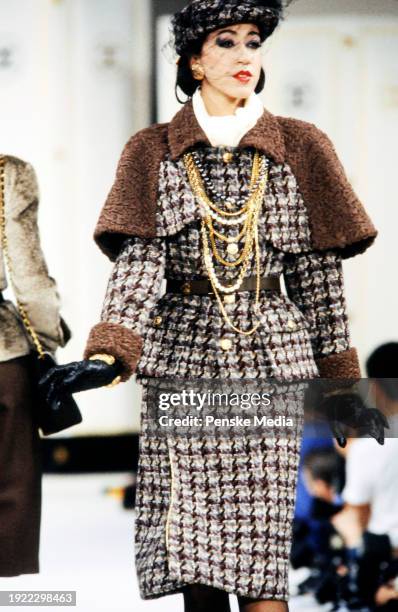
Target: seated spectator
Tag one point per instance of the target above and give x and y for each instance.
(368, 522)
(306, 542)
(382, 369)
(322, 472)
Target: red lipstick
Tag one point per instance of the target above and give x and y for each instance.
(243, 76)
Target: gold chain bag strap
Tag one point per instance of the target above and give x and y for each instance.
(4, 243)
(49, 418)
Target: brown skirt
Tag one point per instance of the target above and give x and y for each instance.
(20, 472)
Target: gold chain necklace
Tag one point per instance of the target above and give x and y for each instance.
(251, 209)
(257, 298)
(246, 251)
(198, 189)
(196, 181)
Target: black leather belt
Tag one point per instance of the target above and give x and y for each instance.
(1, 297)
(203, 286)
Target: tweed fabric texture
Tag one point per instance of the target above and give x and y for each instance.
(339, 365)
(140, 267)
(133, 290)
(337, 218)
(200, 17)
(230, 506)
(233, 498)
(315, 284)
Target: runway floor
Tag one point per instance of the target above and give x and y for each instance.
(87, 546)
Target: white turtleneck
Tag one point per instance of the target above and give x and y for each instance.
(227, 130)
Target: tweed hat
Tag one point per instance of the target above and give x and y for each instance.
(200, 17)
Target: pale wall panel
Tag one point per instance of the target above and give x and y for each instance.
(76, 89)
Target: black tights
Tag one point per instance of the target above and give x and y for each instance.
(256, 605)
(203, 598)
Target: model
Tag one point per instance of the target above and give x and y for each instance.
(221, 201)
(20, 459)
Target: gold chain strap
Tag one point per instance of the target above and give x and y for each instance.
(198, 186)
(257, 298)
(250, 206)
(247, 249)
(4, 243)
(252, 209)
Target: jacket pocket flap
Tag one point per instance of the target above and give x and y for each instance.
(286, 318)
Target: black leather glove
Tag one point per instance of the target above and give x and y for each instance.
(65, 330)
(78, 376)
(338, 432)
(349, 409)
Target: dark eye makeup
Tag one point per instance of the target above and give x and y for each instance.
(224, 42)
(227, 43)
(254, 44)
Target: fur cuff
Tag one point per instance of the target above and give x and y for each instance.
(117, 340)
(340, 365)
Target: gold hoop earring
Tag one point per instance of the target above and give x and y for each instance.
(197, 72)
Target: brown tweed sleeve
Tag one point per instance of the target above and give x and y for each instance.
(133, 290)
(314, 281)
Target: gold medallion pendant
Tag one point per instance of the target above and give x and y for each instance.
(232, 248)
(247, 216)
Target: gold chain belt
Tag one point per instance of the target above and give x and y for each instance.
(203, 286)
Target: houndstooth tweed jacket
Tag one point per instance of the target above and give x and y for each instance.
(303, 333)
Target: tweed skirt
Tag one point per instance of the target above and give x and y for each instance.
(215, 510)
(20, 472)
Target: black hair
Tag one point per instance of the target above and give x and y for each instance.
(192, 24)
(275, 4)
(185, 80)
(325, 464)
(382, 364)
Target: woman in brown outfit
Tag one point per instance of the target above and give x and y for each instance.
(214, 515)
(20, 459)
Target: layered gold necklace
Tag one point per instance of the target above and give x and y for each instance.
(247, 215)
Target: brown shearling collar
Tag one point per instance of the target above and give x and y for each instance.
(336, 216)
(185, 132)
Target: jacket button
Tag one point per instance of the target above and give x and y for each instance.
(227, 157)
(225, 344)
(233, 248)
(229, 298)
(292, 324)
(186, 288)
(61, 455)
(157, 320)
